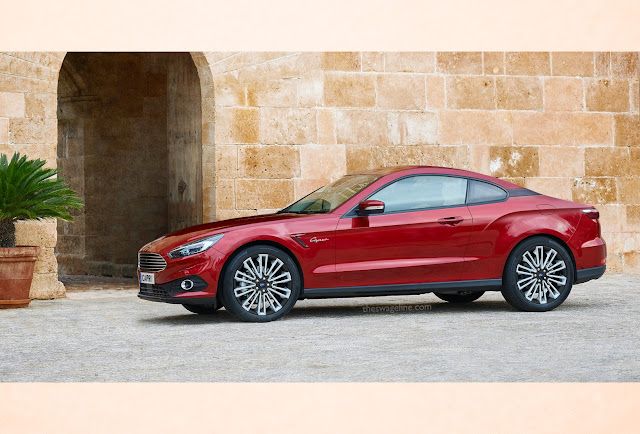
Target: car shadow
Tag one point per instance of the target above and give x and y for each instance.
(221, 316)
(397, 309)
(363, 310)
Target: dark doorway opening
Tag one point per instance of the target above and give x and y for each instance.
(130, 143)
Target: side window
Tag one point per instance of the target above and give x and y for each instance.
(424, 191)
(483, 192)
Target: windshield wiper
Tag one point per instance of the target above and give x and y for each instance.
(304, 211)
(322, 211)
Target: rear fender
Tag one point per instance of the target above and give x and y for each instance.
(523, 224)
(519, 225)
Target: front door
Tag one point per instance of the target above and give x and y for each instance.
(421, 237)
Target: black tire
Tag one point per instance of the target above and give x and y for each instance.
(460, 296)
(202, 309)
(274, 291)
(520, 298)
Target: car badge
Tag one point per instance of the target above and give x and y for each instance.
(317, 240)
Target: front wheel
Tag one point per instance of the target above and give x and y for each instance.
(538, 275)
(261, 284)
(460, 296)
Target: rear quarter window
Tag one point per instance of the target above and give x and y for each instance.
(480, 192)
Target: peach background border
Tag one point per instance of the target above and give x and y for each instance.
(319, 408)
(289, 25)
(189, 25)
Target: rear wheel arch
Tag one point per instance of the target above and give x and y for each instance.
(552, 237)
(544, 280)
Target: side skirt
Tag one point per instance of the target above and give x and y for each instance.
(404, 289)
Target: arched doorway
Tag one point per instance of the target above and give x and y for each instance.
(130, 142)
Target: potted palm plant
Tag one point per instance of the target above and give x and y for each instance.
(28, 191)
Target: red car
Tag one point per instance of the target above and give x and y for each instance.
(389, 231)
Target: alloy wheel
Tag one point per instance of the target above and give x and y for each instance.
(262, 284)
(541, 274)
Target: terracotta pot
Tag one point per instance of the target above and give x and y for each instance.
(16, 274)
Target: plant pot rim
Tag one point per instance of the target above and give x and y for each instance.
(26, 252)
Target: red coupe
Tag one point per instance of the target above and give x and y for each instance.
(389, 231)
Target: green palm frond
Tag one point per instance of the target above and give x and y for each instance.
(30, 192)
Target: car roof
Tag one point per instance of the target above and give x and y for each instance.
(412, 170)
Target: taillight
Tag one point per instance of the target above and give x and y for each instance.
(592, 213)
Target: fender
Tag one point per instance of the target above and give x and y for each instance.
(492, 240)
(316, 260)
(520, 225)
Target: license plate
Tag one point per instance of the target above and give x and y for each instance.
(148, 278)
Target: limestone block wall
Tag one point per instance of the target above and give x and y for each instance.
(278, 125)
(28, 124)
(565, 124)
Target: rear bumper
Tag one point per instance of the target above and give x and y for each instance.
(587, 274)
(591, 253)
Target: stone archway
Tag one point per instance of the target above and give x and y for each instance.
(130, 142)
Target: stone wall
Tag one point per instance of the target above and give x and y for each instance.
(184, 143)
(28, 124)
(278, 125)
(564, 124)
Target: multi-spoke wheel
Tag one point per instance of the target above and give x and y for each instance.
(261, 284)
(538, 275)
(541, 274)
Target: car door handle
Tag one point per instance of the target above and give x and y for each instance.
(450, 220)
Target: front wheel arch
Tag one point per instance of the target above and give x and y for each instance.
(260, 243)
(264, 294)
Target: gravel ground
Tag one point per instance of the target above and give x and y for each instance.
(103, 332)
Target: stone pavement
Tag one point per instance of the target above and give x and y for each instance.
(103, 332)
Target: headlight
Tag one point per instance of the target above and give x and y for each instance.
(194, 247)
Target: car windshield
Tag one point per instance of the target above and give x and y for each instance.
(331, 196)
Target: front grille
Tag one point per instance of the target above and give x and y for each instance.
(152, 290)
(151, 262)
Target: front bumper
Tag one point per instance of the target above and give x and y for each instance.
(171, 292)
(204, 267)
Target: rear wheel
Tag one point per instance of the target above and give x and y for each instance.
(202, 309)
(538, 275)
(460, 296)
(261, 284)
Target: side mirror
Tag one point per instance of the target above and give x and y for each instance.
(370, 207)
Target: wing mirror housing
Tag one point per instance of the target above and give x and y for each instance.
(367, 207)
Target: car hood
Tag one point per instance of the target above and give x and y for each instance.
(194, 233)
